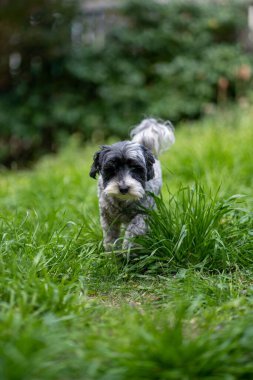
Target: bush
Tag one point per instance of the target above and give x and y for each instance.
(35, 43)
(170, 60)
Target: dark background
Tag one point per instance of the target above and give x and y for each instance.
(95, 68)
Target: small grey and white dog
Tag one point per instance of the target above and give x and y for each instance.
(128, 172)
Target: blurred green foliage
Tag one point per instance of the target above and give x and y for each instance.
(173, 60)
(34, 45)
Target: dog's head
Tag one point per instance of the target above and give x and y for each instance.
(125, 168)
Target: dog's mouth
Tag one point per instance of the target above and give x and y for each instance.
(125, 197)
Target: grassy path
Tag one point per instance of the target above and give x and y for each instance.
(68, 311)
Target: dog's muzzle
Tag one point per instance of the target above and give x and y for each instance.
(129, 190)
(123, 189)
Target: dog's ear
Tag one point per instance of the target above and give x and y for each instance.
(150, 160)
(97, 161)
(95, 167)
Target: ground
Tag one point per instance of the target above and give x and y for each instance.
(70, 311)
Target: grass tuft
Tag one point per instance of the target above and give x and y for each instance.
(195, 228)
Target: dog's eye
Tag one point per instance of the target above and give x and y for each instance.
(136, 168)
(110, 169)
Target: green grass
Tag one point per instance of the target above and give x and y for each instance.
(193, 228)
(182, 310)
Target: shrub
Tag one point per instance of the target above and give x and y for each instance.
(34, 46)
(170, 60)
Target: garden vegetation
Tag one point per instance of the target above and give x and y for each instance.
(173, 60)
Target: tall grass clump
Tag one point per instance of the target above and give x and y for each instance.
(195, 228)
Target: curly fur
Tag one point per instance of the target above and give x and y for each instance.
(128, 171)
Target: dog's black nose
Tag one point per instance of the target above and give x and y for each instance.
(123, 189)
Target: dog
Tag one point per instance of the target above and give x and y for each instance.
(128, 172)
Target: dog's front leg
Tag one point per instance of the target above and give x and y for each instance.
(136, 227)
(111, 231)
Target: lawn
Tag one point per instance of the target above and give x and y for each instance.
(181, 310)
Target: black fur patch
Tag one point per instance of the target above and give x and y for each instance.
(150, 160)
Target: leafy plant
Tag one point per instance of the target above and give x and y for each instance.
(173, 60)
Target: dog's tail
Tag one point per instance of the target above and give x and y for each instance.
(155, 135)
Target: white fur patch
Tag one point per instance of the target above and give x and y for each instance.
(156, 136)
(112, 188)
